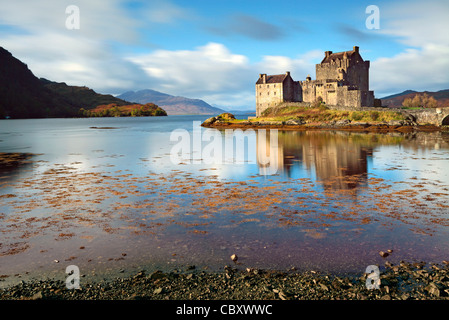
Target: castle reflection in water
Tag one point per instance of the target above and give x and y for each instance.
(339, 160)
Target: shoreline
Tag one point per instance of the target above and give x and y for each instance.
(307, 118)
(356, 127)
(404, 281)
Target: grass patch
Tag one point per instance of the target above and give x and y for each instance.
(412, 108)
(322, 113)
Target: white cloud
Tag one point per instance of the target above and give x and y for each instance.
(75, 60)
(78, 57)
(299, 67)
(417, 69)
(417, 23)
(421, 26)
(99, 20)
(206, 69)
(213, 73)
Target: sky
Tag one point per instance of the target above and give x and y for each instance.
(215, 50)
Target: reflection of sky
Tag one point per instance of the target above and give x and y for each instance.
(125, 143)
(395, 164)
(133, 139)
(143, 144)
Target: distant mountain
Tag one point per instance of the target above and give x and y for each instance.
(23, 95)
(398, 94)
(242, 112)
(396, 100)
(172, 104)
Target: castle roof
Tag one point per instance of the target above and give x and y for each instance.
(277, 78)
(339, 55)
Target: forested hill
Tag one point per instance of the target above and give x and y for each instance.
(23, 95)
(82, 97)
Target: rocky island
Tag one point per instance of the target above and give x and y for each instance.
(318, 116)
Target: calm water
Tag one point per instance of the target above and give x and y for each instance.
(123, 194)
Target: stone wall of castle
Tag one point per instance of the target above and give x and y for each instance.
(271, 94)
(333, 93)
(355, 75)
(268, 95)
(329, 70)
(308, 90)
(291, 90)
(358, 75)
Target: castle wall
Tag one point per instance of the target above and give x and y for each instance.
(368, 98)
(271, 94)
(331, 96)
(344, 97)
(353, 98)
(268, 95)
(288, 89)
(329, 70)
(357, 75)
(329, 92)
(298, 92)
(308, 91)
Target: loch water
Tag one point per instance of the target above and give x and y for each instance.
(116, 195)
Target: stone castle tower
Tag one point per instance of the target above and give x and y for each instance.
(342, 79)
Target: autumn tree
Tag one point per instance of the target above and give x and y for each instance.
(420, 101)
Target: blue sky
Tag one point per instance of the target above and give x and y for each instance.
(216, 50)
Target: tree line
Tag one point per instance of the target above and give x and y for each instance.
(113, 110)
(420, 101)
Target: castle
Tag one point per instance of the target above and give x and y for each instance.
(342, 79)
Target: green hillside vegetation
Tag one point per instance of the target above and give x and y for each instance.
(82, 97)
(133, 110)
(318, 112)
(22, 95)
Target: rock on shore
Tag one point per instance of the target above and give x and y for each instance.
(404, 281)
(408, 125)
